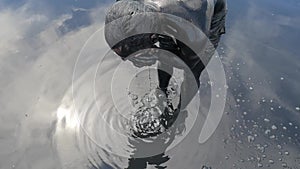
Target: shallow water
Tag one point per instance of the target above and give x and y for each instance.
(39, 122)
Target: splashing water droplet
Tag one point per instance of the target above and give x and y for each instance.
(267, 131)
(150, 116)
(284, 164)
(279, 146)
(272, 137)
(259, 165)
(250, 139)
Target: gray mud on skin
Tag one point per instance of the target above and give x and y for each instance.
(260, 126)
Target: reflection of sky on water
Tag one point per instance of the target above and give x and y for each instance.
(39, 44)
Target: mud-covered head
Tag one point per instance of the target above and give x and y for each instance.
(129, 30)
(122, 21)
(132, 26)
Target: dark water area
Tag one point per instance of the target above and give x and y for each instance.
(45, 89)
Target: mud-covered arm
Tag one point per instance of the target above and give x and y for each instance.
(217, 27)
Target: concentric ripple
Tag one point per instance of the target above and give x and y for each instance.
(118, 108)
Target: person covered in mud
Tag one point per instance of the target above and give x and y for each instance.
(123, 25)
(127, 18)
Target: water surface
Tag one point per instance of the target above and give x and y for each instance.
(39, 47)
